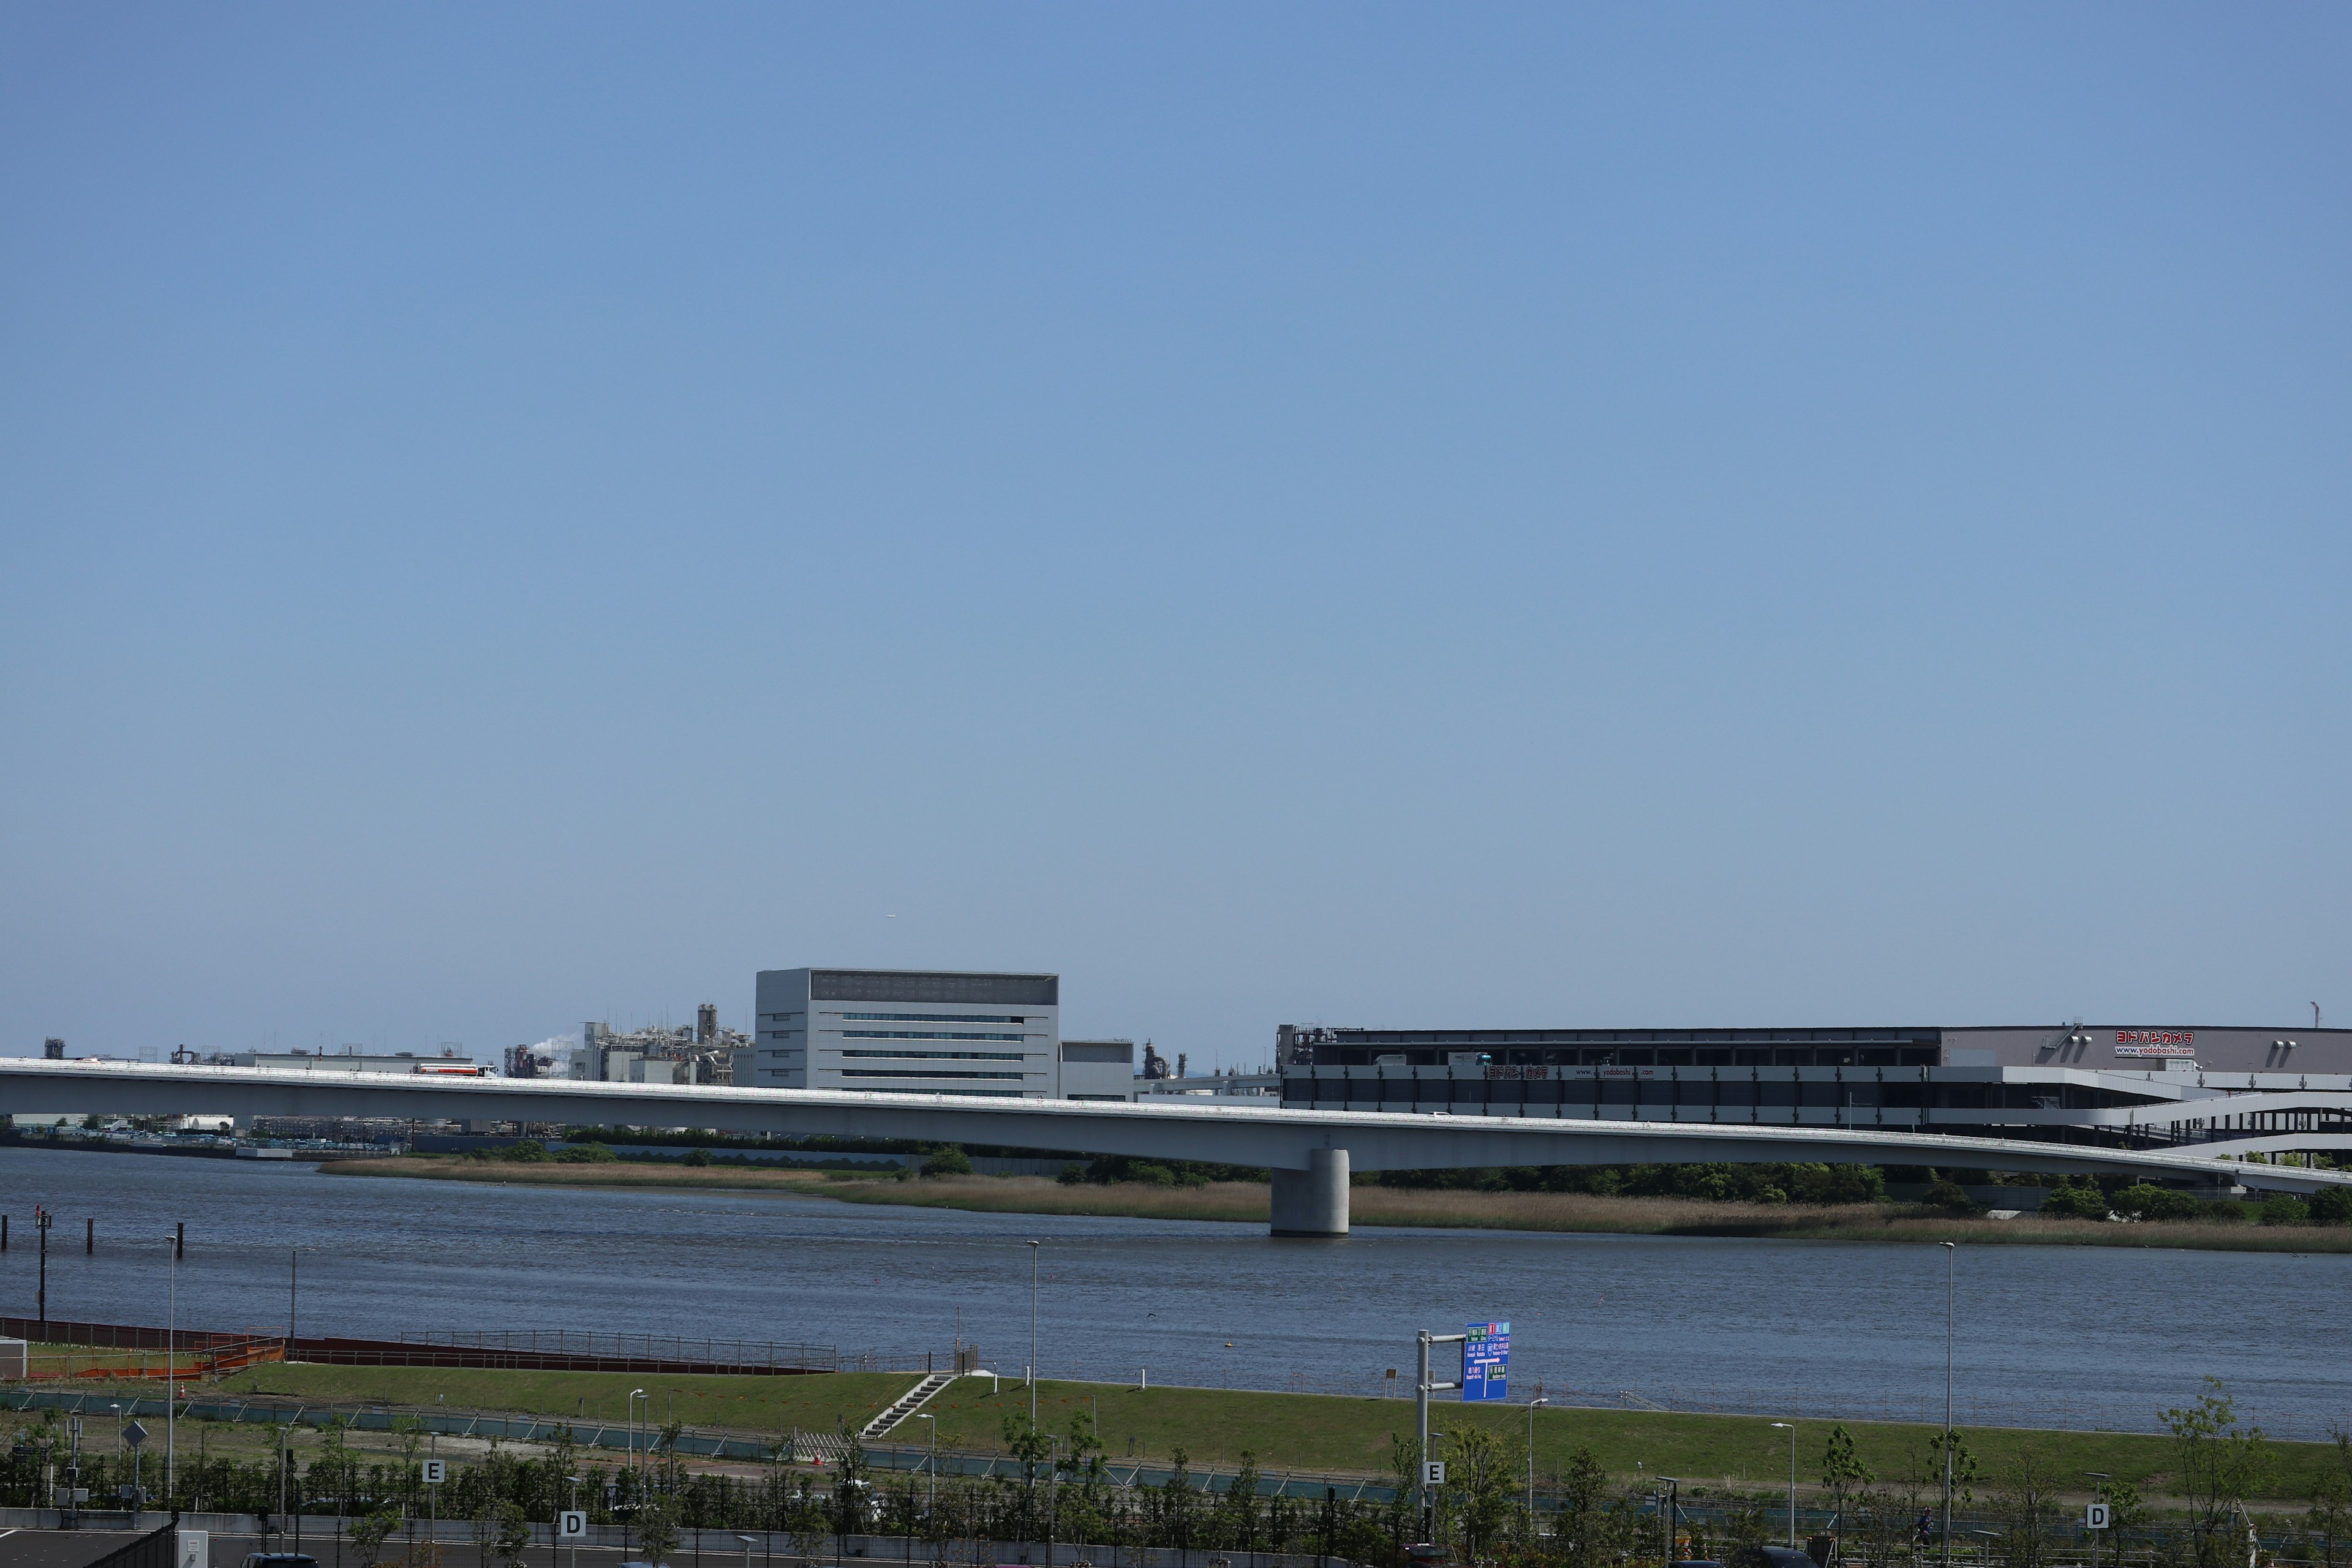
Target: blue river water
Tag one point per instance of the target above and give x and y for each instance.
(2075, 1337)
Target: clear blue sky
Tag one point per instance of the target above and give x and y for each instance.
(1386, 515)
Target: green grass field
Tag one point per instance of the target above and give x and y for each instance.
(1306, 1432)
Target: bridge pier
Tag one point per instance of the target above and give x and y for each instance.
(1313, 1202)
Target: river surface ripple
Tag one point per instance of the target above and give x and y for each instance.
(2075, 1337)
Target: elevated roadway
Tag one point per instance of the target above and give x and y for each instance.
(1310, 1153)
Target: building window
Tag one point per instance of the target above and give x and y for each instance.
(934, 1017)
(920, 1035)
(922, 1072)
(941, 1056)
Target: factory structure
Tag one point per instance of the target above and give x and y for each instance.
(2218, 1091)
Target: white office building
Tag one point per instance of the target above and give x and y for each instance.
(897, 1031)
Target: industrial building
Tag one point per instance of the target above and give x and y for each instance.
(2225, 1090)
(899, 1031)
(705, 1053)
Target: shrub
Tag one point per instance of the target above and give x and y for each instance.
(2226, 1210)
(948, 1161)
(529, 1151)
(584, 1154)
(696, 1157)
(2331, 1206)
(2283, 1208)
(2081, 1200)
(1944, 1193)
(1072, 1174)
(2146, 1200)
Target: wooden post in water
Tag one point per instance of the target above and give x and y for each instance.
(89, 1238)
(179, 1239)
(4, 1233)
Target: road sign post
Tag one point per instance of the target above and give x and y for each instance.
(1486, 1360)
(2095, 1515)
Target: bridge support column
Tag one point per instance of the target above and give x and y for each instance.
(1313, 1202)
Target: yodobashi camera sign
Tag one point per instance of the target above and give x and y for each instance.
(1486, 1360)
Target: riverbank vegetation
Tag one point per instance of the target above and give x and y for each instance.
(1493, 1202)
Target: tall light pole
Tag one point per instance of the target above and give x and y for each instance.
(1792, 1480)
(172, 1373)
(1035, 1249)
(635, 1394)
(1951, 1267)
(1673, 1500)
(1533, 1404)
(931, 1498)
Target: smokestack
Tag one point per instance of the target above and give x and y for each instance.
(706, 1023)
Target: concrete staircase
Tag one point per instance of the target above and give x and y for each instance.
(906, 1404)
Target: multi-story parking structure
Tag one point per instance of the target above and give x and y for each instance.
(2227, 1090)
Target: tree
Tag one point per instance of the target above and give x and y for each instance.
(1842, 1466)
(2331, 1496)
(2027, 1504)
(1965, 1473)
(1237, 1513)
(949, 1161)
(1583, 1488)
(369, 1533)
(2218, 1463)
(513, 1536)
(1177, 1504)
(657, 1531)
(1480, 1490)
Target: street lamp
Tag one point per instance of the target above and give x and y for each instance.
(932, 1498)
(635, 1394)
(1035, 1251)
(1673, 1500)
(1533, 1404)
(1792, 1480)
(1951, 1265)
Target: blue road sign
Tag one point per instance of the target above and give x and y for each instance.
(1486, 1360)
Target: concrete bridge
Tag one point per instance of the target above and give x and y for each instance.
(1310, 1153)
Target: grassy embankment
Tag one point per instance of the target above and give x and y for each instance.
(1374, 1206)
(1309, 1432)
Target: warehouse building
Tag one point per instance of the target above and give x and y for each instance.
(2226, 1090)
